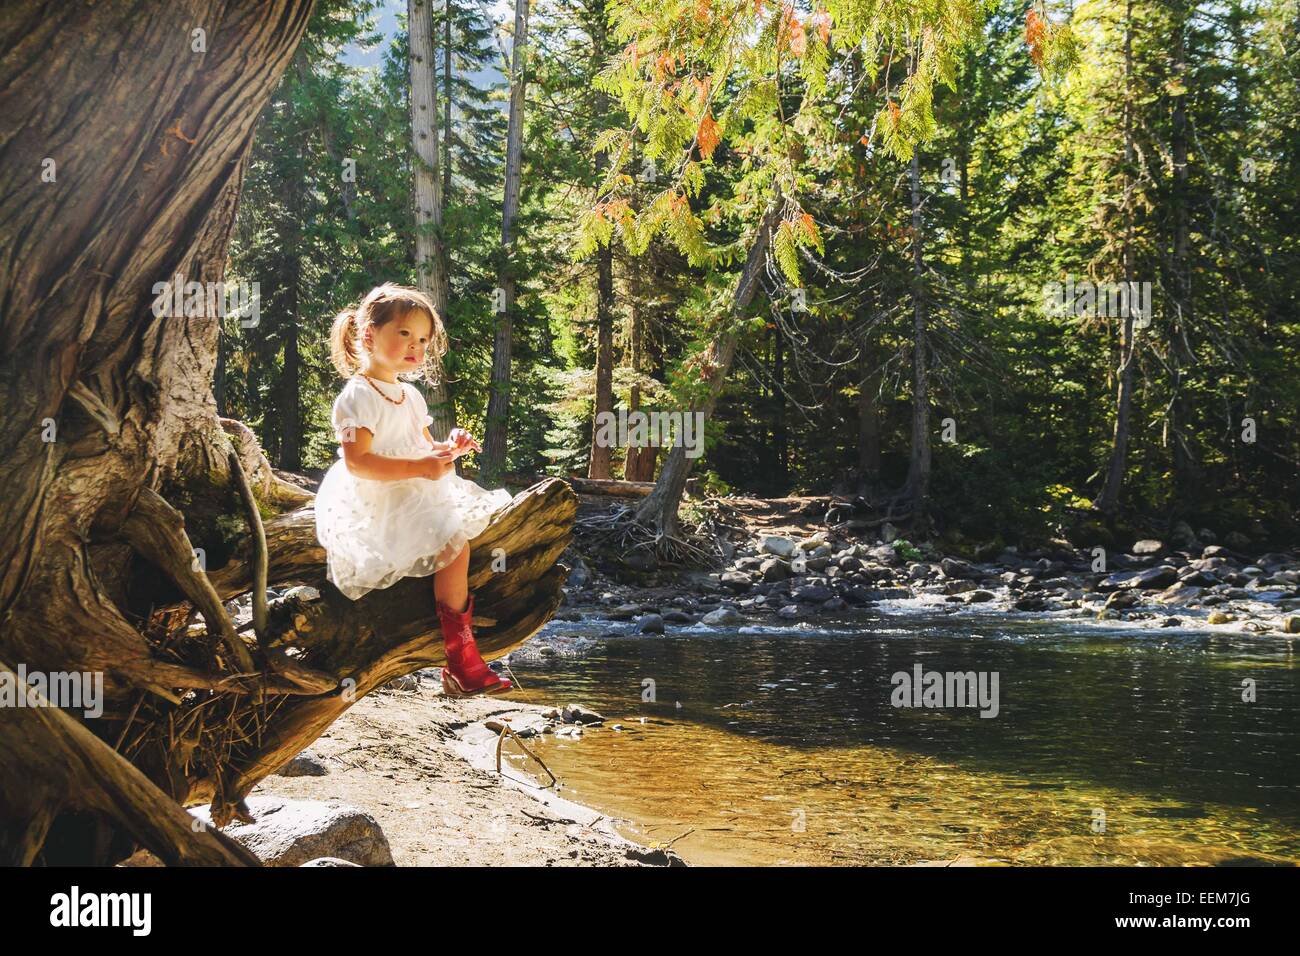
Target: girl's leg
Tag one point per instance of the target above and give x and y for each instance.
(466, 671)
(451, 583)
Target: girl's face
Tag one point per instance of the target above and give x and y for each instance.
(399, 345)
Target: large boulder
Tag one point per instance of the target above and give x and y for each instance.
(294, 832)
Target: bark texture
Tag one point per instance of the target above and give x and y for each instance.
(124, 132)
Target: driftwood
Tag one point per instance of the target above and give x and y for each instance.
(611, 486)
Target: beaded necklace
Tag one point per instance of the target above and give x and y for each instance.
(397, 401)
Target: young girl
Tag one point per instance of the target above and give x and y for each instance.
(393, 506)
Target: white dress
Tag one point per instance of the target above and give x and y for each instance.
(377, 532)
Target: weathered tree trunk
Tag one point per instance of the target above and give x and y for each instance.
(495, 442)
(660, 507)
(1108, 501)
(430, 253)
(122, 483)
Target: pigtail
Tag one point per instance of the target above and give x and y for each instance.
(343, 343)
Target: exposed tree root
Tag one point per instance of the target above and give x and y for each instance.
(66, 767)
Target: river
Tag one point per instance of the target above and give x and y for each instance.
(782, 744)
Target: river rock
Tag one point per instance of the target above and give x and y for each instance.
(835, 603)
(306, 764)
(578, 714)
(885, 554)
(774, 569)
(855, 594)
(674, 616)
(1122, 599)
(737, 582)
(327, 861)
(979, 596)
(1220, 617)
(1157, 578)
(812, 593)
(1180, 593)
(781, 546)
(624, 612)
(1292, 624)
(918, 572)
(650, 624)
(789, 612)
(1148, 546)
(722, 616)
(293, 832)
(957, 569)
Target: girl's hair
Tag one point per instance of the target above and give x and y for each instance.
(378, 307)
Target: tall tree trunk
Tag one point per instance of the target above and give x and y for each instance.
(604, 399)
(660, 507)
(447, 98)
(1108, 500)
(495, 442)
(430, 253)
(288, 413)
(780, 479)
(1180, 353)
(599, 457)
(918, 471)
(869, 428)
(639, 465)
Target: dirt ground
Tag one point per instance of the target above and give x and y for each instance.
(398, 755)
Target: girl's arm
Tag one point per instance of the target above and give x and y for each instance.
(364, 463)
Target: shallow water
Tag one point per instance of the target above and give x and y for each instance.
(1109, 746)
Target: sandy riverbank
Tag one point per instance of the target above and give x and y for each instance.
(422, 765)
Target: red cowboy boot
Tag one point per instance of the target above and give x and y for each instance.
(466, 673)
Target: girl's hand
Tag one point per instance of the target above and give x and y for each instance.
(435, 465)
(446, 447)
(463, 441)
